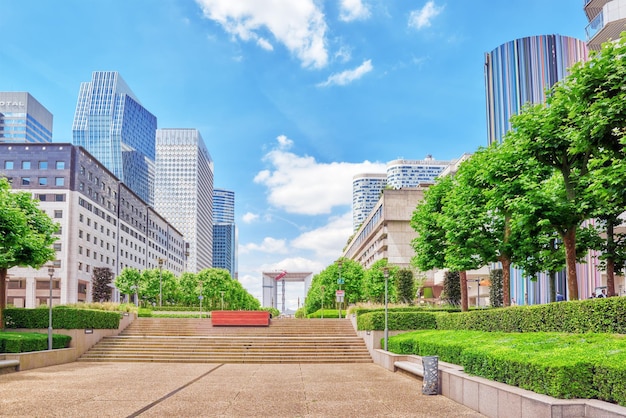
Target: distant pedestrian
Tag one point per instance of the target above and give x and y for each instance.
(602, 294)
(559, 297)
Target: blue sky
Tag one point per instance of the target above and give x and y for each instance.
(292, 97)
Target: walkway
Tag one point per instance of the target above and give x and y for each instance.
(218, 390)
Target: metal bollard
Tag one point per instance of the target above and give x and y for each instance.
(431, 375)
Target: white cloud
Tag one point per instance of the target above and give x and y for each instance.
(348, 76)
(284, 142)
(269, 245)
(421, 18)
(328, 240)
(298, 25)
(249, 217)
(344, 54)
(265, 44)
(353, 10)
(299, 184)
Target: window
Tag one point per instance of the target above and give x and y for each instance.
(88, 252)
(25, 165)
(60, 165)
(43, 181)
(8, 165)
(59, 198)
(42, 197)
(87, 268)
(25, 181)
(80, 250)
(57, 246)
(58, 214)
(80, 266)
(59, 181)
(80, 233)
(80, 217)
(43, 165)
(82, 170)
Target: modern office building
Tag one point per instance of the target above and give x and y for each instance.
(386, 233)
(520, 71)
(184, 191)
(23, 119)
(116, 129)
(224, 231)
(607, 20)
(401, 174)
(366, 190)
(102, 223)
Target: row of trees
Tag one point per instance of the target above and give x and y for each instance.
(214, 288)
(360, 285)
(551, 191)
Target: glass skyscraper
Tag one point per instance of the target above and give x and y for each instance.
(115, 128)
(224, 231)
(184, 191)
(23, 119)
(520, 71)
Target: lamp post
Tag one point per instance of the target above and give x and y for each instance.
(323, 288)
(51, 274)
(386, 274)
(339, 282)
(160, 281)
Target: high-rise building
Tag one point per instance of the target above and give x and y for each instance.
(224, 231)
(401, 174)
(520, 71)
(366, 191)
(23, 119)
(184, 191)
(607, 20)
(102, 223)
(113, 126)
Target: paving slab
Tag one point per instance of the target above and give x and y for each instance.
(218, 390)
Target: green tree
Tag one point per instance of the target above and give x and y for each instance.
(374, 282)
(452, 288)
(129, 282)
(26, 235)
(101, 280)
(406, 286)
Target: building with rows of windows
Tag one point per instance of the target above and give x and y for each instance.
(102, 223)
(23, 119)
(224, 231)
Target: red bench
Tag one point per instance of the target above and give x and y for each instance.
(240, 318)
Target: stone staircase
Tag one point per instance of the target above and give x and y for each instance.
(184, 340)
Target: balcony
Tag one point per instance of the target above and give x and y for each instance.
(607, 24)
(593, 7)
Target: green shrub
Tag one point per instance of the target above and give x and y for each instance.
(62, 318)
(397, 320)
(327, 313)
(21, 342)
(274, 312)
(144, 313)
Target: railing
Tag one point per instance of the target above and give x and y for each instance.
(595, 26)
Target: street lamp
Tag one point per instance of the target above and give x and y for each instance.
(160, 281)
(339, 282)
(51, 274)
(386, 274)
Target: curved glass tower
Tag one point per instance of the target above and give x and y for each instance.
(520, 72)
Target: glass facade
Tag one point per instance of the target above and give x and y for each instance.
(23, 119)
(184, 191)
(520, 71)
(112, 125)
(366, 190)
(224, 231)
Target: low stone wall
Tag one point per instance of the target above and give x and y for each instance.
(82, 341)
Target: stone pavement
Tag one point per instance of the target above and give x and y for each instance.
(218, 390)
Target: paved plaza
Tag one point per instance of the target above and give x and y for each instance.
(218, 390)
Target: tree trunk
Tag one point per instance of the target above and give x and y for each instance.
(610, 261)
(552, 276)
(464, 301)
(569, 240)
(506, 280)
(3, 294)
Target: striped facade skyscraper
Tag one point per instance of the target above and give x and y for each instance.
(113, 126)
(224, 231)
(516, 73)
(184, 191)
(23, 119)
(520, 71)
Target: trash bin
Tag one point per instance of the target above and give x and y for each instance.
(431, 375)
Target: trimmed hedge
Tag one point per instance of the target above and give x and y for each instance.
(397, 320)
(361, 311)
(21, 342)
(556, 364)
(603, 315)
(62, 318)
(328, 313)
